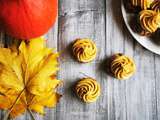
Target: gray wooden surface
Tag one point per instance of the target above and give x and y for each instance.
(135, 99)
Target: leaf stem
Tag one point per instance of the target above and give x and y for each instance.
(30, 112)
(11, 108)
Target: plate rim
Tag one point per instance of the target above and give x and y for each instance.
(124, 13)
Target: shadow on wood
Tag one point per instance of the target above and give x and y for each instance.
(118, 18)
(105, 66)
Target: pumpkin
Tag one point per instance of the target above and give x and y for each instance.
(26, 19)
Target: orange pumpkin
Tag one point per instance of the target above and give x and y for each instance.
(26, 19)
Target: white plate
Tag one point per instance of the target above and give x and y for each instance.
(147, 42)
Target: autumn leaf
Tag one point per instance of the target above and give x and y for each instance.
(28, 78)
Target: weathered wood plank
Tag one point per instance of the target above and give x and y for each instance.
(133, 99)
(157, 86)
(71, 6)
(115, 44)
(80, 19)
(140, 91)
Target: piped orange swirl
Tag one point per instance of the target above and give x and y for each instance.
(143, 4)
(156, 6)
(149, 20)
(122, 67)
(88, 90)
(84, 50)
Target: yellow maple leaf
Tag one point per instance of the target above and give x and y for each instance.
(28, 78)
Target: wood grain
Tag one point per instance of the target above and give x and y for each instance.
(81, 20)
(135, 99)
